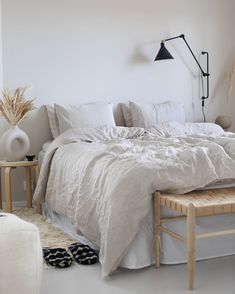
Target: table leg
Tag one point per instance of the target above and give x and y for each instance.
(39, 205)
(0, 189)
(36, 168)
(8, 189)
(28, 186)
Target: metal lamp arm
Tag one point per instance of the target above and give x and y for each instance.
(165, 54)
(207, 75)
(191, 51)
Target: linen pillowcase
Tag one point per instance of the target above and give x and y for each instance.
(127, 114)
(207, 129)
(53, 121)
(62, 114)
(85, 116)
(169, 129)
(149, 115)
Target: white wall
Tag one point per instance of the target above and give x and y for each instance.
(77, 50)
(230, 107)
(1, 65)
(86, 50)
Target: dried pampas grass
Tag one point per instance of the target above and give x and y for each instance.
(230, 81)
(14, 107)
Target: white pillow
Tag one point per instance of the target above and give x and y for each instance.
(85, 116)
(204, 128)
(62, 114)
(169, 129)
(127, 114)
(146, 115)
(53, 121)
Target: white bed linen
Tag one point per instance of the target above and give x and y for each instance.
(100, 203)
(176, 129)
(141, 254)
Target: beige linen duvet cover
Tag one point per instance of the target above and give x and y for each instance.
(102, 179)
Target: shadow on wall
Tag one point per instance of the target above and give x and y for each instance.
(221, 83)
(138, 57)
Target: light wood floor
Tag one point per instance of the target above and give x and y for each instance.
(214, 276)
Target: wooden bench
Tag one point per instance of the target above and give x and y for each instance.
(191, 205)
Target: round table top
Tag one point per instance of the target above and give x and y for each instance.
(18, 163)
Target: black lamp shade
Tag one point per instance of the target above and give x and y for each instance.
(163, 53)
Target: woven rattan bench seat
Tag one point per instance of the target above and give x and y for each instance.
(214, 202)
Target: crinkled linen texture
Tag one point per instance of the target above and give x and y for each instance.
(102, 180)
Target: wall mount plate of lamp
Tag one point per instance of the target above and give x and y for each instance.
(164, 54)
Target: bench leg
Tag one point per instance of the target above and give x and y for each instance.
(191, 244)
(157, 232)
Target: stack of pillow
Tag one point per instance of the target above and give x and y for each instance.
(101, 114)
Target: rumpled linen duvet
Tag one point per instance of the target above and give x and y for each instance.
(102, 179)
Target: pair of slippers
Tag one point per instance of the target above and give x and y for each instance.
(61, 258)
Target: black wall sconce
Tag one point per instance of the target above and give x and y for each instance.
(165, 54)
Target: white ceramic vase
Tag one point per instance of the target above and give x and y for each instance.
(14, 144)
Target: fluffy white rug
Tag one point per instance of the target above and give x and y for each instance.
(50, 235)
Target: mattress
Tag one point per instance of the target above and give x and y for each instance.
(140, 254)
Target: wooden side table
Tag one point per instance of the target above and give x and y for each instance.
(7, 168)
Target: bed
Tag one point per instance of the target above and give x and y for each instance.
(99, 171)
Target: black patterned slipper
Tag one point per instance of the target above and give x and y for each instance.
(57, 257)
(83, 254)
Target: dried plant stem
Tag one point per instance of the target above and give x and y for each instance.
(230, 81)
(14, 107)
